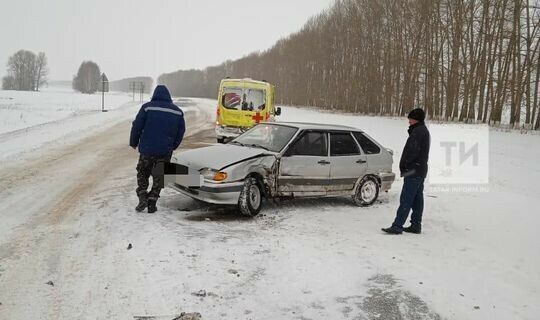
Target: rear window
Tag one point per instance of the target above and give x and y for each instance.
(243, 99)
(368, 146)
(232, 98)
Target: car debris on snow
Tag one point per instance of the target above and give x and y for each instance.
(189, 316)
(200, 293)
(182, 316)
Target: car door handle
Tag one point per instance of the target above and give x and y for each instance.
(323, 162)
(361, 161)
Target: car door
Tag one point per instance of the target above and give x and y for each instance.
(347, 162)
(305, 166)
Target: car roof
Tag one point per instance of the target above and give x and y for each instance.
(315, 126)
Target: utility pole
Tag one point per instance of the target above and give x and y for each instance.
(137, 86)
(132, 84)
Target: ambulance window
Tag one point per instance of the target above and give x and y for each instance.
(232, 97)
(254, 100)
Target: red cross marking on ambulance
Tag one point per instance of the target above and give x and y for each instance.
(257, 117)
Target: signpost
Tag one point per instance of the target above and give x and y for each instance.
(104, 87)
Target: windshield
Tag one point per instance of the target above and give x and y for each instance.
(243, 99)
(267, 136)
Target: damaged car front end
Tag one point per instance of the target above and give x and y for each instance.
(244, 166)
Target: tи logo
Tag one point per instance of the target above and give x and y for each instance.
(459, 154)
(463, 154)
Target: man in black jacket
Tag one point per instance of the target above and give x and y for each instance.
(157, 131)
(413, 166)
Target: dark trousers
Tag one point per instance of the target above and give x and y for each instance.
(412, 197)
(151, 166)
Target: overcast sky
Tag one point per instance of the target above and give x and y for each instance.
(133, 37)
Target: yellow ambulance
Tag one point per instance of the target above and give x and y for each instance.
(242, 103)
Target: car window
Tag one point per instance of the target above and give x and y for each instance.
(232, 97)
(343, 144)
(368, 146)
(243, 99)
(254, 100)
(311, 143)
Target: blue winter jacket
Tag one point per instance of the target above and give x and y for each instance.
(159, 126)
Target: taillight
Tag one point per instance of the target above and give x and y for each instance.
(218, 113)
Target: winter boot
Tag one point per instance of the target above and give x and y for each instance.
(143, 203)
(392, 230)
(152, 205)
(413, 228)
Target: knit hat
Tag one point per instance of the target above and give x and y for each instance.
(417, 114)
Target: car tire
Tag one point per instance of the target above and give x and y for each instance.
(251, 198)
(366, 192)
(220, 140)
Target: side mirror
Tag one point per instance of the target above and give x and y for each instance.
(278, 111)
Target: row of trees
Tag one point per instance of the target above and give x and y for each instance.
(26, 71)
(462, 60)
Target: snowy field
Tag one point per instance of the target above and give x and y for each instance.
(478, 257)
(24, 109)
(55, 115)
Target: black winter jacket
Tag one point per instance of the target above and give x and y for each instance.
(159, 126)
(414, 159)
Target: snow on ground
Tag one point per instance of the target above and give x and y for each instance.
(55, 116)
(302, 259)
(24, 109)
(482, 245)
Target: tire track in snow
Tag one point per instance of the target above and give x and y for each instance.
(42, 196)
(47, 188)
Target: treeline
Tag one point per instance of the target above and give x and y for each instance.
(26, 71)
(126, 85)
(469, 61)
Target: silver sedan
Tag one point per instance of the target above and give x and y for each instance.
(286, 159)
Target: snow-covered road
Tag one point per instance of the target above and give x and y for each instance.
(67, 217)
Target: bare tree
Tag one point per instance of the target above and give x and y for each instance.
(42, 70)
(26, 71)
(88, 78)
(21, 66)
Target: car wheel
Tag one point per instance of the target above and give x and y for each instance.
(367, 192)
(251, 198)
(220, 140)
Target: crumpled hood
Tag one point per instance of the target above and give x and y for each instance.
(161, 93)
(217, 156)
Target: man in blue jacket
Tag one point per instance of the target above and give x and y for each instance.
(157, 130)
(414, 167)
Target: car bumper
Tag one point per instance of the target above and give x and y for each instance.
(229, 132)
(223, 193)
(387, 178)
